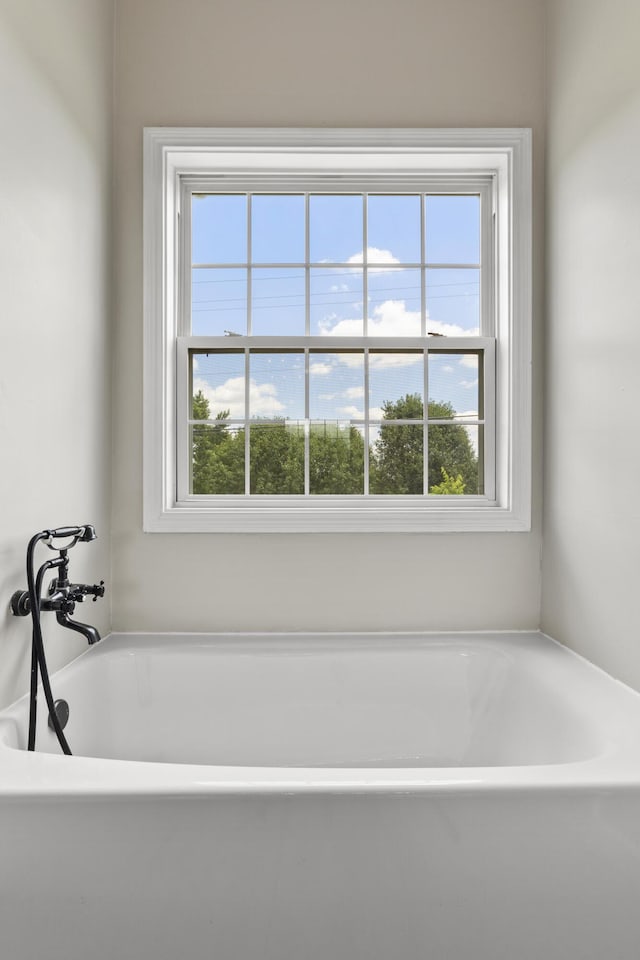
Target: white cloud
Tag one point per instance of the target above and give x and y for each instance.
(451, 330)
(381, 258)
(468, 384)
(263, 400)
(352, 412)
(389, 319)
(393, 319)
(386, 360)
(469, 360)
(320, 369)
(353, 393)
(263, 397)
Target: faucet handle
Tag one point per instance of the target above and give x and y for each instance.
(79, 591)
(98, 590)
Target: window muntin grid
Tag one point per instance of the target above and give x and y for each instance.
(266, 302)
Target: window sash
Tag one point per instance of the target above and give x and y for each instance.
(435, 185)
(307, 346)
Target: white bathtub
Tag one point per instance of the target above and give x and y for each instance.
(461, 797)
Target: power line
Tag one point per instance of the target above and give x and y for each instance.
(315, 303)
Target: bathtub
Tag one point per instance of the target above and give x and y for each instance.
(323, 797)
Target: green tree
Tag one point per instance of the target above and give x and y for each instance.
(450, 449)
(217, 452)
(336, 460)
(336, 456)
(276, 452)
(398, 453)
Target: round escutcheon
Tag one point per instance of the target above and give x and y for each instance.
(62, 713)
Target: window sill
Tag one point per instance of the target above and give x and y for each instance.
(336, 515)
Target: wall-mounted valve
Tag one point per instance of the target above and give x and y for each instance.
(21, 605)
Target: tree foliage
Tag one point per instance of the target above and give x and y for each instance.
(336, 455)
(217, 452)
(276, 453)
(398, 453)
(449, 485)
(396, 466)
(336, 460)
(450, 449)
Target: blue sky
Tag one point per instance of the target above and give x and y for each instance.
(222, 282)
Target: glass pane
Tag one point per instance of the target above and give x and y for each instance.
(394, 302)
(276, 454)
(336, 458)
(218, 301)
(217, 459)
(277, 302)
(452, 229)
(217, 386)
(453, 459)
(396, 460)
(396, 386)
(476, 439)
(336, 229)
(453, 302)
(454, 385)
(336, 386)
(277, 229)
(219, 228)
(393, 229)
(276, 386)
(336, 304)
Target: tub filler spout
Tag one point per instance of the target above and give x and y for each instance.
(89, 633)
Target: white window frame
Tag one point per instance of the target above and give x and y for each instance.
(230, 156)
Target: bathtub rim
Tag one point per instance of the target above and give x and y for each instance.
(26, 776)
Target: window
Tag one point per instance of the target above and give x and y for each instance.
(337, 330)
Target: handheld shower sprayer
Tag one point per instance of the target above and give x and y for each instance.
(83, 534)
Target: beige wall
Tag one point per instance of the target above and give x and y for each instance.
(356, 63)
(592, 522)
(55, 172)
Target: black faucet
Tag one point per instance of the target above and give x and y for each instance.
(61, 598)
(62, 595)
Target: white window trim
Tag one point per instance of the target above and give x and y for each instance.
(173, 153)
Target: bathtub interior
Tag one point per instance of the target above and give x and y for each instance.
(313, 701)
